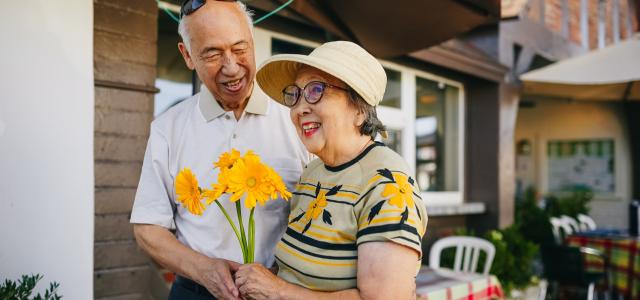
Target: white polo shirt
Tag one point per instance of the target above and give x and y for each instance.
(192, 135)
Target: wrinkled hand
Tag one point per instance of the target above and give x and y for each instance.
(257, 282)
(217, 277)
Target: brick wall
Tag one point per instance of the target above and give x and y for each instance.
(553, 18)
(125, 34)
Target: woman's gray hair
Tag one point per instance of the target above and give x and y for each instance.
(371, 125)
(184, 34)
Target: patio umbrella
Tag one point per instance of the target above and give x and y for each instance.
(611, 73)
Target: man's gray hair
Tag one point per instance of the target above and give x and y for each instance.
(182, 27)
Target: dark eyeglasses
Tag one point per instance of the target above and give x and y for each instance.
(312, 92)
(190, 6)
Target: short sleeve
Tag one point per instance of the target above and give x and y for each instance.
(152, 204)
(392, 210)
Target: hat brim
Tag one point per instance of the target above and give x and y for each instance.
(281, 70)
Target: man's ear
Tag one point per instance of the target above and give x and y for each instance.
(186, 55)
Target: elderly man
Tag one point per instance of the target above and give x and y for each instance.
(230, 112)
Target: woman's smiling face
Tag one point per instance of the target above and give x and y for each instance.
(328, 126)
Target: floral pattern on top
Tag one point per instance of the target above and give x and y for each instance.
(317, 207)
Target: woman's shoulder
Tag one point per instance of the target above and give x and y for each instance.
(312, 165)
(383, 157)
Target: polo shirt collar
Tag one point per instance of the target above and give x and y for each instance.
(211, 109)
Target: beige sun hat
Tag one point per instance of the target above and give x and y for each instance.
(344, 60)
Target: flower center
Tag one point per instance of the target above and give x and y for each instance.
(251, 182)
(402, 190)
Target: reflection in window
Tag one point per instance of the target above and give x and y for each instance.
(284, 47)
(437, 147)
(174, 79)
(392, 93)
(171, 93)
(394, 140)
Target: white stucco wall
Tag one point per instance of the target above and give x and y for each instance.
(46, 143)
(581, 120)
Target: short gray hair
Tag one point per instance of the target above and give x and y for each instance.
(182, 27)
(371, 125)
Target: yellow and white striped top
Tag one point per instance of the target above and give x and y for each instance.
(334, 209)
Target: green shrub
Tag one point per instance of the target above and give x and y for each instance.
(513, 262)
(570, 204)
(22, 290)
(533, 221)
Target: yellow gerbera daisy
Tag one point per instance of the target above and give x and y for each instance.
(401, 193)
(227, 159)
(249, 176)
(219, 188)
(188, 192)
(316, 206)
(277, 185)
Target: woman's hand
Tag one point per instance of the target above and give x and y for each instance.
(257, 282)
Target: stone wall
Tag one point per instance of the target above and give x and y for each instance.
(125, 49)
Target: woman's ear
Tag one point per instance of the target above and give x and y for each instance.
(361, 116)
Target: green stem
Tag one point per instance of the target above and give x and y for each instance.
(252, 237)
(245, 249)
(235, 230)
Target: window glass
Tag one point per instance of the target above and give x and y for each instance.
(437, 136)
(174, 79)
(283, 47)
(392, 92)
(393, 140)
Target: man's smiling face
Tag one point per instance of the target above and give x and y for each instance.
(222, 52)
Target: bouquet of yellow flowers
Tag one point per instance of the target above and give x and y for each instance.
(239, 175)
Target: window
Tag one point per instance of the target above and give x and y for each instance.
(437, 136)
(279, 46)
(393, 140)
(392, 93)
(174, 79)
(424, 116)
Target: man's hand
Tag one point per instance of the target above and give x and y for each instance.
(164, 248)
(217, 276)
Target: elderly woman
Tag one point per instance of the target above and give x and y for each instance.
(357, 219)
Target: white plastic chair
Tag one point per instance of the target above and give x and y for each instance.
(560, 229)
(467, 253)
(586, 223)
(571, 222)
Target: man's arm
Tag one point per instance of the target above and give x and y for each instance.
(164, 248)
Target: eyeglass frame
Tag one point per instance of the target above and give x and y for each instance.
(301, 92)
